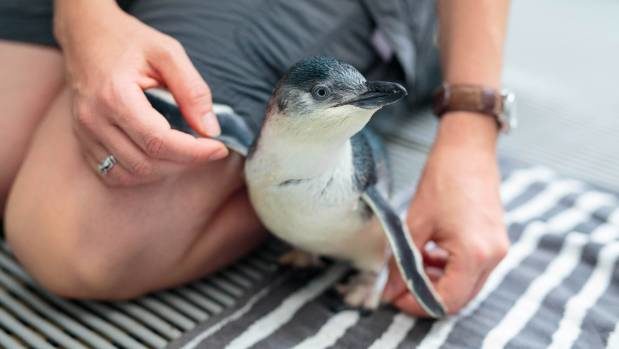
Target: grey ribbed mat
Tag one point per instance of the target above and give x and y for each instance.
(30, 317)
(557, 288)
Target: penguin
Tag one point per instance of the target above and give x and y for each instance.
(319, 180)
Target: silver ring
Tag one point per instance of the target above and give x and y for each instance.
(107, 164)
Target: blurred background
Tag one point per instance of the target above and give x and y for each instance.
(562, 61)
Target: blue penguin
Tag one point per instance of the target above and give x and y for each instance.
(318, 180)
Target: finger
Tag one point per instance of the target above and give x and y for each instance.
(94, 154)
(395, 285)
(190, 91)
(131, 156)
(435, 257)
(152, 133)
(420, 231)
(480, 283)
(456, 287)
(434, 273)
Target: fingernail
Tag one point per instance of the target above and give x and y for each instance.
(218, 155)
(211, 125)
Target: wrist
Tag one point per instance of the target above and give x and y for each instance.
(468, 130)
(69, 14)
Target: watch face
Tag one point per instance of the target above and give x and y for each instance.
(508, 117)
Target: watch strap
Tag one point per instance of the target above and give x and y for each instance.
(472, 98)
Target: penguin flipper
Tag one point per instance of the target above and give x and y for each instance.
(407, 256)
(235, 133)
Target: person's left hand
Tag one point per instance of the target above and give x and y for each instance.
(457, 205)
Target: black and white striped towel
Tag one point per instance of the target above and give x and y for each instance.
(558, 287)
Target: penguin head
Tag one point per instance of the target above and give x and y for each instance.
(321, 96)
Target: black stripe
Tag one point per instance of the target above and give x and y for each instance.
(305, 323)
(369, 328)
(604, 213)
(526, 195)
(564, 203)
(296, 280)
(500, 300)
(546, 319)
(416, 334)
(603, 317)
(471, 330)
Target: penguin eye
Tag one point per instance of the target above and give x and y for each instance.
(321, 92)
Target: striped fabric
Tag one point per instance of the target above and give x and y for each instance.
(558, 287)
(31, 317)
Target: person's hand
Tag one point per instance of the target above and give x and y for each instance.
(111, 58)
(457, 206)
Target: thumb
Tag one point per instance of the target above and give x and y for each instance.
(189, 90)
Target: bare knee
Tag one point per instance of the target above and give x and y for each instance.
(59, 262)
(72, 256)
(79, 251)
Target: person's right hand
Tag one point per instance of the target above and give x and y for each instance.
(111, 58)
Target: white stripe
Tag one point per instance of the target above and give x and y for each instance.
(613, 339)
(269, 323)
(608, 231)
(521, 179)
(517, 253)
(510, 188)
(527, 305)
(583, 208)
(395, 334)
(594, 199)
(520, 250)
(545, 200)
(234, 316)
(605, 233)
(577, 307)
(331, 331)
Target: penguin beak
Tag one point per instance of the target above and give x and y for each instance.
(378, 94)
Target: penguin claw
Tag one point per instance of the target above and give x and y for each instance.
(300, 259)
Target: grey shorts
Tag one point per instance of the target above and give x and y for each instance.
(240, 47)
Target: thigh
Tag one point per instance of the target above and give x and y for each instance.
(31, 77)
(60, 216)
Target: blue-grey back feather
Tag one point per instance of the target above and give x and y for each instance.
(370, 162)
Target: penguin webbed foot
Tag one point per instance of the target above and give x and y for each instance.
(363, 290)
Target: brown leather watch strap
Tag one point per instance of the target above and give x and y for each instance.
(473, 98)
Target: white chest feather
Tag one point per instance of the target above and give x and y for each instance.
(321, 213)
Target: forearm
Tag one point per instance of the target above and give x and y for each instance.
(69, 14)
(472, 33)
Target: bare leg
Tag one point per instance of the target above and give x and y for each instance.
(83, 239)
(31, 77)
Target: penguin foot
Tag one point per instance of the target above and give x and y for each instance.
(300, 259)
(361, 291)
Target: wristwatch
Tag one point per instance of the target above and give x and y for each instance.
(499, 104)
